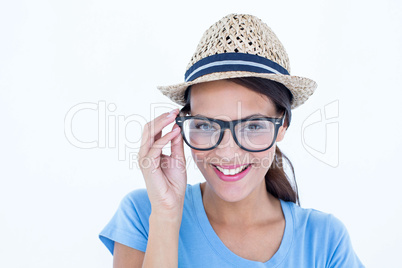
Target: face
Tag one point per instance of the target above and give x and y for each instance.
(229, 101)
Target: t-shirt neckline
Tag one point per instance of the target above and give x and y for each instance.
(225, 252)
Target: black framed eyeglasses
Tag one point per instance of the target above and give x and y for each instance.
(251, 134)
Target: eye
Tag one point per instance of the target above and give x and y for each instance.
(205, 126)
(254, 126)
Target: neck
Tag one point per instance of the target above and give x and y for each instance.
(258, 208)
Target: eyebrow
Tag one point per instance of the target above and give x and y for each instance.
(247, 117)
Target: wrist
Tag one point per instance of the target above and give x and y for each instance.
(163, 240)
(165, 217)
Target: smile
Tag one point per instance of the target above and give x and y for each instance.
(232, 171)
(232, 174)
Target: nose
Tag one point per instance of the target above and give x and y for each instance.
(227, 146)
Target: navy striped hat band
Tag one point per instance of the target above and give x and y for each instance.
(233, 62)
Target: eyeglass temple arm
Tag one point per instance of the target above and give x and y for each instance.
(283, 118)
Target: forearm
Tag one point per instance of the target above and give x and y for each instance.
(163, 242)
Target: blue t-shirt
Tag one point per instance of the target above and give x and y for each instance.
(311, 238)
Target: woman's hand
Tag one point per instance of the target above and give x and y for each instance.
(165, 176)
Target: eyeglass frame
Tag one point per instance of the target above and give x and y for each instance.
(278, 122)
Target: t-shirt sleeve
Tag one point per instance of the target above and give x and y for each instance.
(342, 254)
(130, 223)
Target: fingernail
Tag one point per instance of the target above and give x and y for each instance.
(172, 112)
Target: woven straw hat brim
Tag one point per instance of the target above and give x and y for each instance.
(301, 87)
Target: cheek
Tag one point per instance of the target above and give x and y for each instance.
(200, 158)
(264, 159)
(196, 154)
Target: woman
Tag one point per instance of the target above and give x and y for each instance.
(237, 99)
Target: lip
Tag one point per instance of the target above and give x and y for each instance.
(232, 178)
(232, 166)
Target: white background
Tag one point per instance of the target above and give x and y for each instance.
(55, 197)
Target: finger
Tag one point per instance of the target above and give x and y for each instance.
(153, 158)
(156, 150)
(153, 130)
(158, 136)
(153, 127)
(177, 148)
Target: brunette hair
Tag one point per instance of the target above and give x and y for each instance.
(278, 183)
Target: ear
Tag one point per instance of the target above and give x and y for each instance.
(281, 133)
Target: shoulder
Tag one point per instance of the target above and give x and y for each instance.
(136, 202)
(136, 196)
(138, 199)
(324, 234)
(314, 219)
(319, 229)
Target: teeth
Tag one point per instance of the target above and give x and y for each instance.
(231, 171)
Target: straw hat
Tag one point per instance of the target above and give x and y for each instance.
(240, 45)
